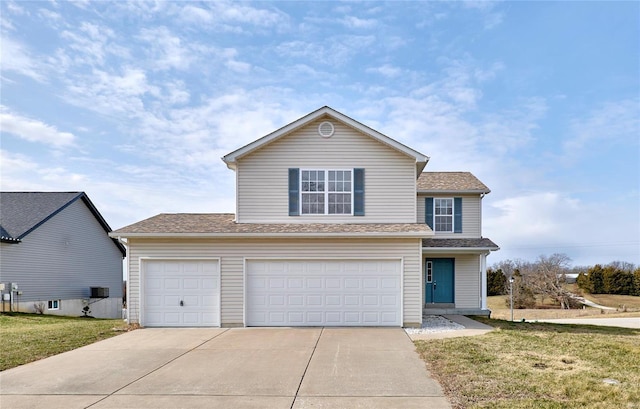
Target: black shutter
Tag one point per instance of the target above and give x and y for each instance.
(294, 192)
(358, 192)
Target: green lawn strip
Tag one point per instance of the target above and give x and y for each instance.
(522, 365)
(27, 337)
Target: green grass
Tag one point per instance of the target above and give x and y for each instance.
(525, 365)
(28, 337)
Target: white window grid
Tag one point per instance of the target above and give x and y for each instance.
(326, 191)
(443, 214)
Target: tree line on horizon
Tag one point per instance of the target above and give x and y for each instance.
(546, 278)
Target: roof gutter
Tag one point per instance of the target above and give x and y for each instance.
(459, 249)
(375, 235)
(453, 191)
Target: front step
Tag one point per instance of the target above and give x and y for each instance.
(455, 311)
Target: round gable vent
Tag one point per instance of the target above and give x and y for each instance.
(326, 129)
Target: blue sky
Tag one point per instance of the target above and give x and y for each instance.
(136, 102)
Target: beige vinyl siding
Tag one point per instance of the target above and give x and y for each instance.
(233, 252)
(471, 216)
(466, 279)
(390, 176)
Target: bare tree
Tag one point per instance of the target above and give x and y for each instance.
(547, 278)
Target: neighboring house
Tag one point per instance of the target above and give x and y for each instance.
(335, 224)
(54, 247)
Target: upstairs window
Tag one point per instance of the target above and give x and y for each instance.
(444, 215)
(326, 191)
(443, 212)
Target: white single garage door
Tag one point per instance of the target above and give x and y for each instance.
(181, 293)
(324, 293)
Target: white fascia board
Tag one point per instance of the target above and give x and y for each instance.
(230, 159)
(473, 250)
(272, 235)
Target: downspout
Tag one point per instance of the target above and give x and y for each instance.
(126, 267)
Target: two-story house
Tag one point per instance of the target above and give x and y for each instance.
(335, 224)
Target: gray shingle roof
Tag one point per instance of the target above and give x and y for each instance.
(481, 243)
(224, 224)
(21, 212)
(450, 182)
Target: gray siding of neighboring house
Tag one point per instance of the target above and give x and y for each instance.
(62, 258)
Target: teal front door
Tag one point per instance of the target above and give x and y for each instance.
(439, 281)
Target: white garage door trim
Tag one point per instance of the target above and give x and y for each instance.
(323, 314)
(144, 262)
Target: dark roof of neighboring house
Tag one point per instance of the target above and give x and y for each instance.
(23, 212)
(481, 243)
(450, 182)
(211, 224)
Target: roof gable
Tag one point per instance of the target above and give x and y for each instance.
(231, 158)
(23, 212)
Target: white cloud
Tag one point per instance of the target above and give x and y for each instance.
(112, 94)
(166, 50)
(91, 44)
(33, 130)
(611, 122)
(232, 16)
(334, 51)
(17, 58)
(49, 15)
(14, 8)
(357, 23)
(531, 224)
(386, 70)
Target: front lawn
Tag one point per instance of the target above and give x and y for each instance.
(527, 365)
(28, 337)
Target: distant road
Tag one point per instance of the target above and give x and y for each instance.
(606, 322)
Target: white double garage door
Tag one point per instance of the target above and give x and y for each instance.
(277, 293)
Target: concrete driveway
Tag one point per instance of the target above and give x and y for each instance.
(230, 368)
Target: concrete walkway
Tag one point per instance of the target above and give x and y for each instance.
(230, 368)
(471, 328)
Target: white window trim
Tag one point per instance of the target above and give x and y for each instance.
(326, 192)
(429, 272)
(50, 305)
(453, 214)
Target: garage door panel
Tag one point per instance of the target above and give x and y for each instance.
(167, 283)
(335, 293)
